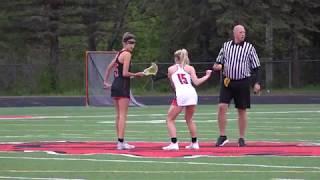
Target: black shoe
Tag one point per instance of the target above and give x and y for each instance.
(241, 142)
(221, 141)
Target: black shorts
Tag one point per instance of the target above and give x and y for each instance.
(120, 88)
(239, 91)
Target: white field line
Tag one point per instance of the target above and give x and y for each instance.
(149, 115)
(285, 179)
(147, 123)
(63, 130)
(159, 139)
(278, 122)
(159, 121)
(78, 138)
(142, 139)
(131, 138)
(48, 136)
(163, 121)
(109, 131)
(164, 162)
(155, 172)
(28, 178)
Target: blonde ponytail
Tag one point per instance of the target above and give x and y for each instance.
(182, 55)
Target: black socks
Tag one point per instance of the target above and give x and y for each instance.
(194, 139)
(174, 140)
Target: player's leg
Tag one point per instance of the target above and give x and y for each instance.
(123, 113)
(188, 116)
(173, 112)
(189, 111)
(116, 108)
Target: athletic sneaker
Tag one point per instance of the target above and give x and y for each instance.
(124, 146)
(222, 140)
(171, 146)
(193, 146)
(241, 142)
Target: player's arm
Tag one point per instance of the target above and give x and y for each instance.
(107, 73)
(126, 64)
(195, 80)
(170, 72)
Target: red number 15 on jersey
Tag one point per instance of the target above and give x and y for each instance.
(182, 78)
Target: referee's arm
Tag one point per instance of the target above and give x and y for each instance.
(255, 66)
(217, 66)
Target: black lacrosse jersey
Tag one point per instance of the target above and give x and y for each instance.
(120, 85)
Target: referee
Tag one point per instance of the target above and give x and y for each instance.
(240, 64)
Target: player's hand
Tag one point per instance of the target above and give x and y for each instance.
(256, 88)
(106, 85)
(217, 67)
(208, 72)
(139, 74)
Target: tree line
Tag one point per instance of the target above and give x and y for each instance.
(55, 32)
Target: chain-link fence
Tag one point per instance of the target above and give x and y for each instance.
(35, 79)
(279, 74)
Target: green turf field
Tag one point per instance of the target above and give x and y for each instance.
(287, 123)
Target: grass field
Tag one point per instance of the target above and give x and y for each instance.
(284, 123)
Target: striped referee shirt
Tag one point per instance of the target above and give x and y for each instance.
(238, 59)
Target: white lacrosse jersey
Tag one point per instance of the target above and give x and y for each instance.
(185, 93)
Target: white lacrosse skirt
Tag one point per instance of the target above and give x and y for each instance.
(186, 97)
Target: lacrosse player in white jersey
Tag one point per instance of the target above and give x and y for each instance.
(182, 76)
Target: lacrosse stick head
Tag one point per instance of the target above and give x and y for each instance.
(152, 70)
